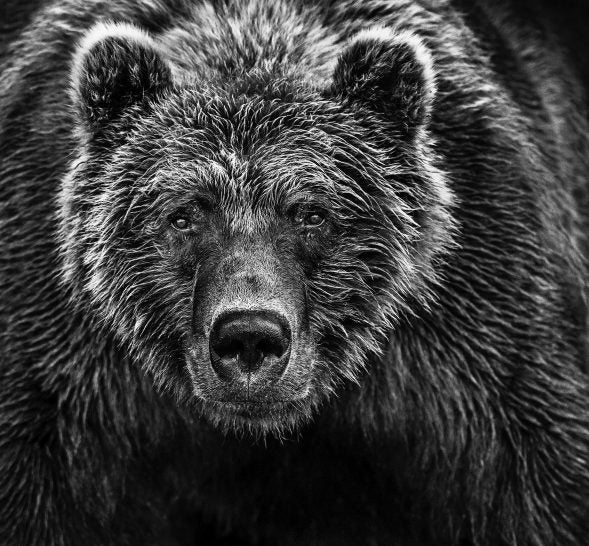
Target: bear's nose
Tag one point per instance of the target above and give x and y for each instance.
(245, 341)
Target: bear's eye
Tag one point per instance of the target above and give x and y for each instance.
(181, 223)
(314, 219)
(311, 218)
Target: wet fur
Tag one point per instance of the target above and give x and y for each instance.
(449, 401)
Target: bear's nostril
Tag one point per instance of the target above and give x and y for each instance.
(271, 347)
(229, 348)
(245, 341)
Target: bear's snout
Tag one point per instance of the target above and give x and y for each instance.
(243, 342)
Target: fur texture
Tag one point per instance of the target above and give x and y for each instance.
(404, 183)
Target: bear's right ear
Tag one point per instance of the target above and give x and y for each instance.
(391, 74)
(117, 67)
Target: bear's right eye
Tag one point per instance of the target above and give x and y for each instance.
(181, 223)
(314, 218)
(310, 217)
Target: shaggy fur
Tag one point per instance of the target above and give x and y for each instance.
(436, 389)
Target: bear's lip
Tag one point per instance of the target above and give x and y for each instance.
(252, 408)
(278, 402)
(252, 391)
(266, 399)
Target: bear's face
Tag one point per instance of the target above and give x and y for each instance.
(252, 240)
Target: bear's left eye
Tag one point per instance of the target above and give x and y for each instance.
(314, 219)
(181, 223)
(311, 218)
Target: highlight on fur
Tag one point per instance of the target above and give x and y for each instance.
(292, 273)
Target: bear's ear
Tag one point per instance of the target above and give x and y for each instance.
(391, 74)
(117, 67)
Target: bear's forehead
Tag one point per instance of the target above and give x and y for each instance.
(218, 139)
(272, 173)
(249, 118)
(239, 138)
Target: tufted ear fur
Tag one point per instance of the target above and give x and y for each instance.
(391, 74)
(117, 67)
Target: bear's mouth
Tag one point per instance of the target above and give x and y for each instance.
(257, 409)
(250, 396)
(275, 416)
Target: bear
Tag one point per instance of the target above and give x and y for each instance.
(292, 272)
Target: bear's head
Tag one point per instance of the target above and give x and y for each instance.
(252, 237)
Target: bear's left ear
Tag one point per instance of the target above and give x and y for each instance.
(116, 67)
(391, 74)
